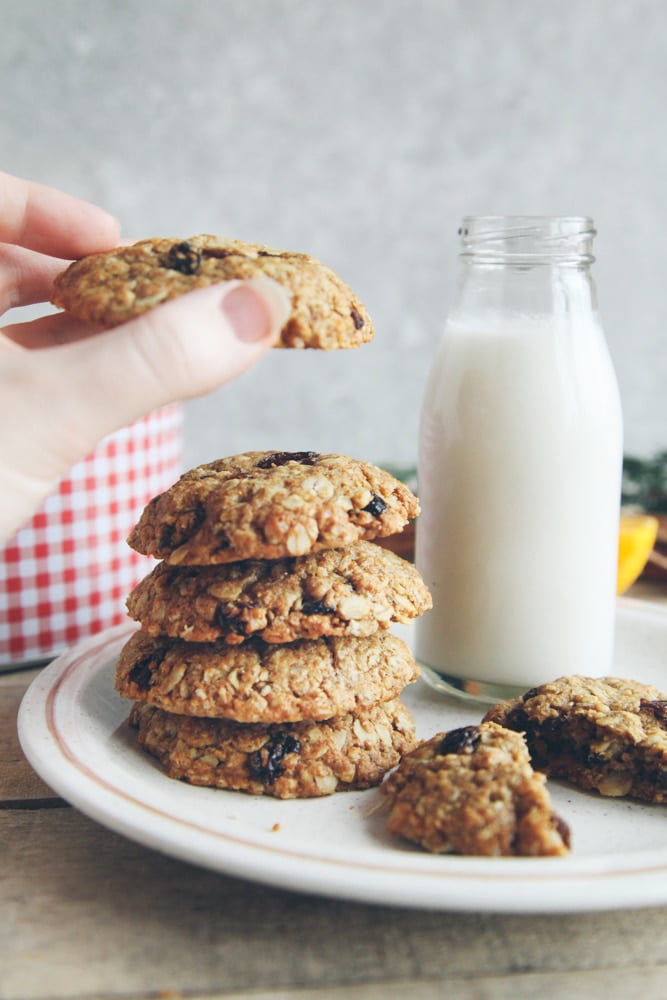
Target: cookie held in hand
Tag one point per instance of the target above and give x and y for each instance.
(110, 288)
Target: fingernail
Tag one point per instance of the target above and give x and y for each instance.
(257, 308)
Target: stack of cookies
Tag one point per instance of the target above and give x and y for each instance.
(264, 661)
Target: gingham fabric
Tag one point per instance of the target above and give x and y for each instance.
(66, 574)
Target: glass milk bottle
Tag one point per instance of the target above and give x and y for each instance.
(520, 464)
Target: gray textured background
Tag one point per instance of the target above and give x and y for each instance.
(359, 131)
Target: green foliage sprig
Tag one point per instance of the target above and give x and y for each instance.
(645, 483)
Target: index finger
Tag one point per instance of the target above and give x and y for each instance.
(45, 219)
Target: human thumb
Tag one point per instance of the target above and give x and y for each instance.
(184, 348)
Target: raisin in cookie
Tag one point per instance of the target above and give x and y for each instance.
(263, 682)
(604, 734)
(352, 591)
(110, 288)
(294, 760)
(268, 505)
(473, 791)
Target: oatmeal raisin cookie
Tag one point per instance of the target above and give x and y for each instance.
(293, 760)
(268, 505)
(350, 591)
(603, 734)
(263, 682)
(473, 791)
(109, 288)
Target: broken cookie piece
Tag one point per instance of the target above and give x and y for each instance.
(473, 791)
(604, 734)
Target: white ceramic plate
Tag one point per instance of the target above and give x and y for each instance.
(73, 730)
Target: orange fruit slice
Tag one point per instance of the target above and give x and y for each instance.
(636, 539)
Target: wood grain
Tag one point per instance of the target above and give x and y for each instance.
(19, 785)
(83, 908)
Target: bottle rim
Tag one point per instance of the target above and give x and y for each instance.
(529, 239)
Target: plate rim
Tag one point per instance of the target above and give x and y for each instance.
(414, 879)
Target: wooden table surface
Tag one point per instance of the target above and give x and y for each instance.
(86, 913)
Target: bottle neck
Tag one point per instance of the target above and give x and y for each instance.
(543, 289)
(530, 265)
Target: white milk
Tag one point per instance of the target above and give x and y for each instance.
(519, 482)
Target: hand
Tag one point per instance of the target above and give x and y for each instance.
(63, 385)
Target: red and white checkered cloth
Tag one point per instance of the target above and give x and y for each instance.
(66, 574)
